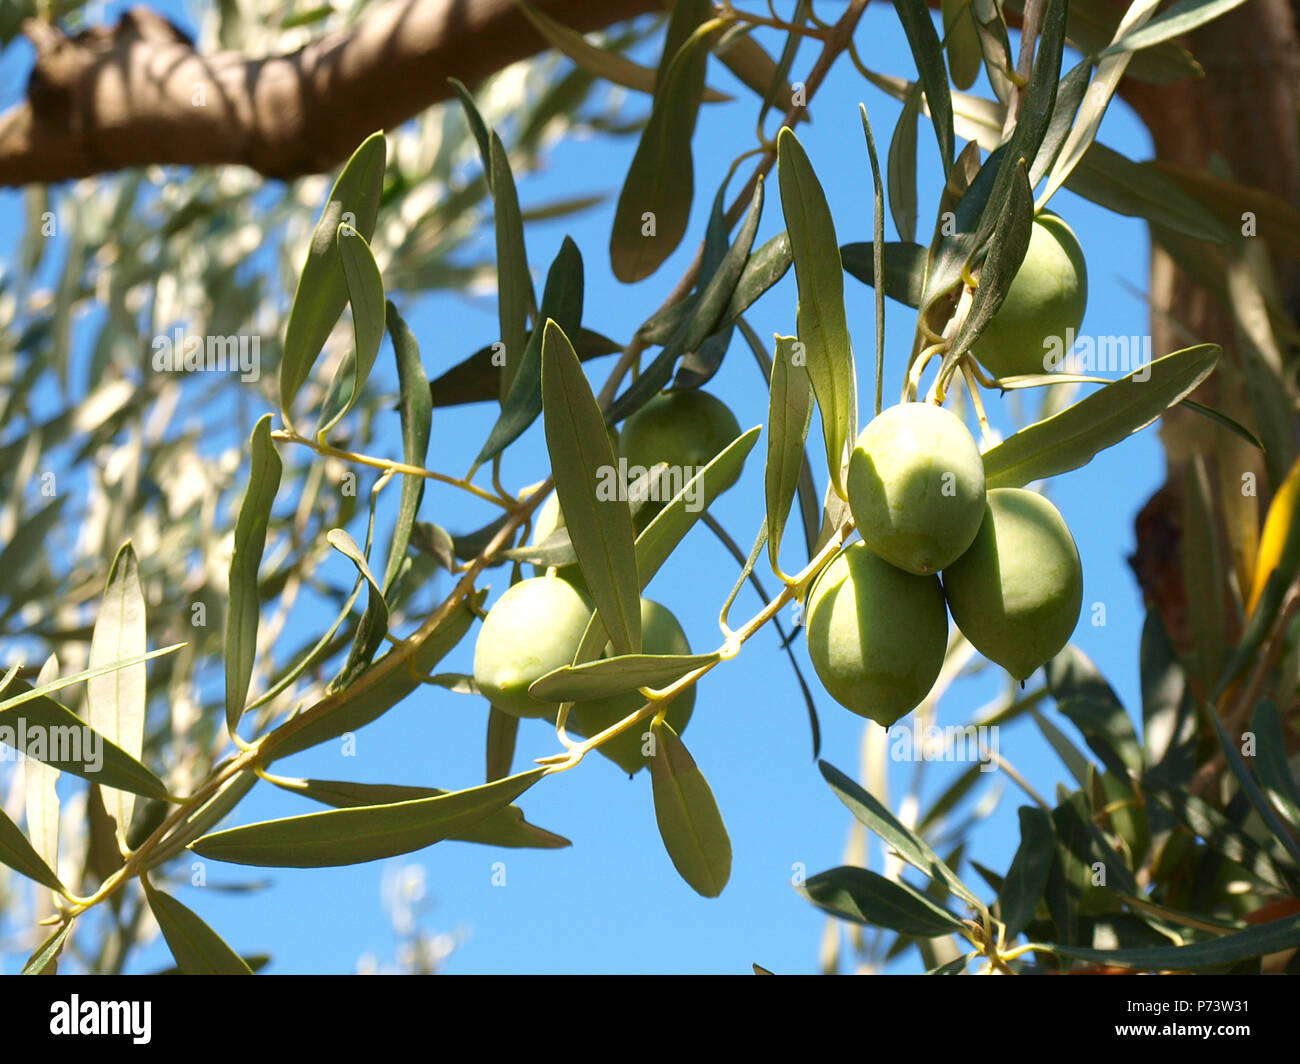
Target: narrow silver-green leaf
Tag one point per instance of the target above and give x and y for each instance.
(655, 203)
(506, 827)
(366, 833)
(502, 730)
(1027, 878)
(1070, 755)
(991, 27)
(611, 66)
(197, 949)
(115, 701)
(514, 285)
(1174, 21)
(416, 409)
(687, 813)
(923, 39)
(1101, 89)
(365, 289)
(749, 61)
(46, 958)
(616, 676)
(18, 854)
(250, 541)
(1139, 190)
(322, 291)
(901, 166)
(866, 897)
(40, 783)
(908, 845)
(1273, 937)
(1248, 784)
(903, 267)
(50, 732)
(822, 326)
(788, 418)
(1069, 94)
(374, 622)
(562, 302)
(965, 56)
(1071, 438)
(1007, 249)
(601, 530)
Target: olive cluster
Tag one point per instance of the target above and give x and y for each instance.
(1011, 577)
(876, 617)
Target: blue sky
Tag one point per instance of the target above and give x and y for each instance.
(612, 902)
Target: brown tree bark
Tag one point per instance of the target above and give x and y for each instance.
(138, 93)
(1245, 112)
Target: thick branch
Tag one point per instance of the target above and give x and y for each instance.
(138, 94)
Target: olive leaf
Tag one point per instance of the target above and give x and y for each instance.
(416, 416)
(616, 676)
(116, 700)
(506, 827)
(1071, 438)
(561, 302)
(822, 327)
(601, 531)
(363, 833)
(923, 39)
(788, 419)
(687, 813)
(250, 540)
(866, 897)
(515, 297)
(654, 205)
(322, 291)
(18, 854)
(198, 949)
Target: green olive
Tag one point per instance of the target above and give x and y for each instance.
(876, 634)
(686, 429)
(1046, 299)
(916, 487)
(1016, 594)
(533, 629)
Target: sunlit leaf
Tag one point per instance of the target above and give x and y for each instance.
(198, 949)
(322, 291)
(115, 701)
(364, 833)
(687, 813)
(250, 541)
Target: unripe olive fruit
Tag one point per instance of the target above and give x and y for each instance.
(660, 634)
(1016, 593)
(876, 635)
(1047, 298)
(686, 429)
(533, 629)
(916, 487)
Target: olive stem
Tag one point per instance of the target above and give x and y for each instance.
(329, 451)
